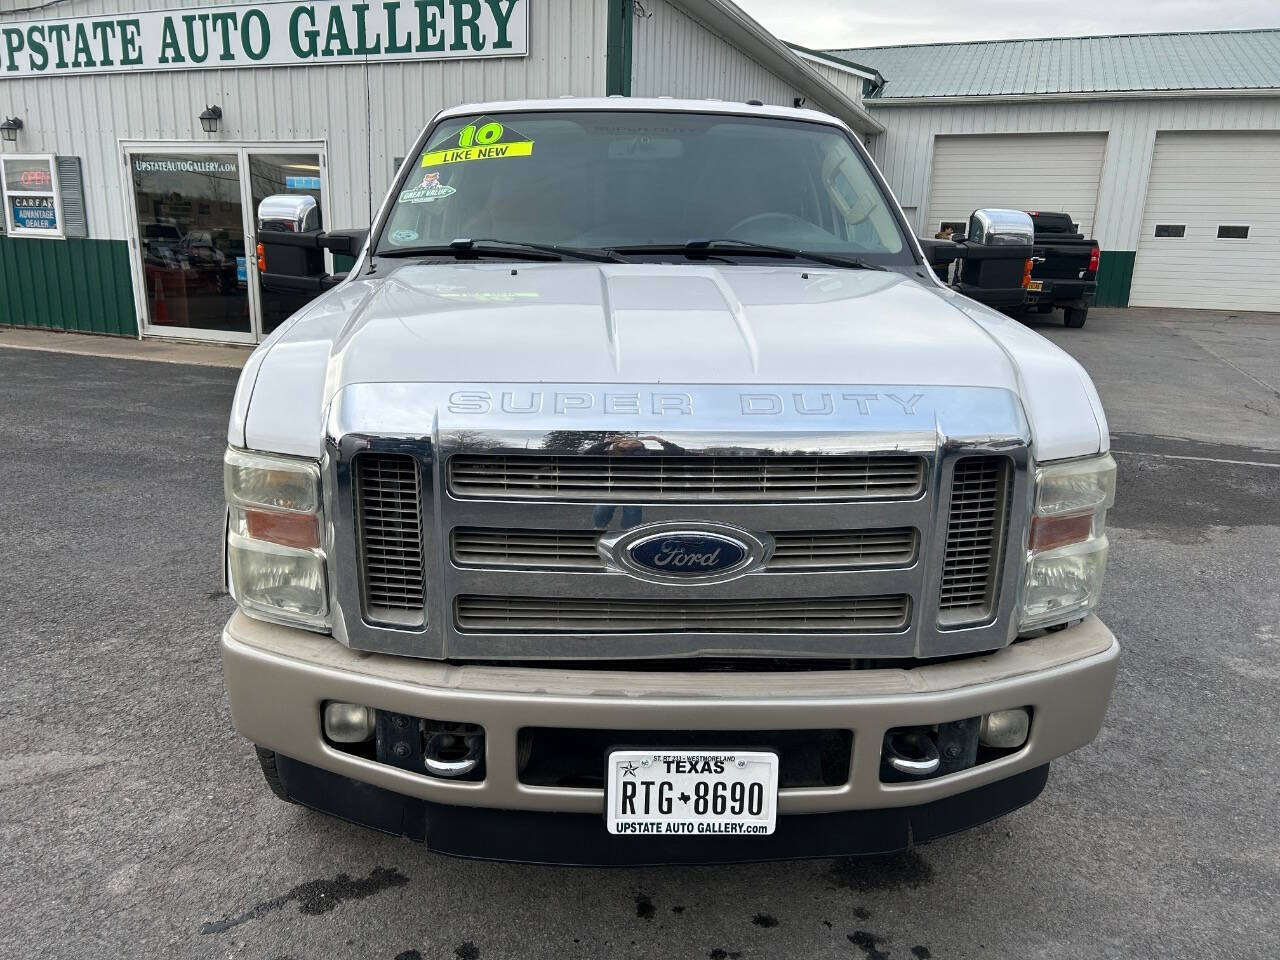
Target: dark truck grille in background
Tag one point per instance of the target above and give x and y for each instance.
(975, 534)
(390, 531)
(490, 614)
(814, 550)
(680, 478)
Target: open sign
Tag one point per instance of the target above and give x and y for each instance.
(36, 179)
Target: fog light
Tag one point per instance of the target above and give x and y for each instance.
(1005, 729)
(348, 722)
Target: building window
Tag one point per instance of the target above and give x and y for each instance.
(32, 203)
(1171, 230)
(1229, 232)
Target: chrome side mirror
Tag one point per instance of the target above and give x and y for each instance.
(291, 245)
(1001, 228)
(290, 212)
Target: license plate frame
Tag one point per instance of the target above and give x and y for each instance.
(673, 810)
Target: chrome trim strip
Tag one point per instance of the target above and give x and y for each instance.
(864, 515)
(626, 476)
(820, 550)
(618, 585)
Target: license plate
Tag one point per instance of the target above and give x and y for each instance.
(694, 792)
(1035, 286)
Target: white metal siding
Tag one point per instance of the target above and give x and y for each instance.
(674, 55)
(365, 129)
(850, 84)
(1018, 171)
(1203, 181)
(904, 151)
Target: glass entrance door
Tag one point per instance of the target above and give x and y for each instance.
(190, 218)
(272, 173)
(195, 229)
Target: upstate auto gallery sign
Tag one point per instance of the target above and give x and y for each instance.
(266, 35)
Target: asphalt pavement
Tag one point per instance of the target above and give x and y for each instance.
(134, 822)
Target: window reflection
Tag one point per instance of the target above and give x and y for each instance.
(191, 227)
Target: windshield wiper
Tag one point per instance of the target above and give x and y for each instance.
(491, 247)
(695, 248)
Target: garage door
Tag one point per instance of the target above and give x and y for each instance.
(1030, 171)
(1211, 226)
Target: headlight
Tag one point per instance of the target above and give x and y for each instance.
(1067, 546)
(275, 565)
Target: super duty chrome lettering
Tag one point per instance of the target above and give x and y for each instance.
(567, 403)
(570, 402)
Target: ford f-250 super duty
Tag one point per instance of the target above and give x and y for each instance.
(640, 495)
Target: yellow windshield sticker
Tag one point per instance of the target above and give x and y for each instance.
(485, 139)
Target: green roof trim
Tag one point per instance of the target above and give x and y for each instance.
(1122, 63)
(838, 61)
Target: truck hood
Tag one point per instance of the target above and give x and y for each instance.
(587, 323)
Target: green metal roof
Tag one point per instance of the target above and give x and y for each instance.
(1219, 60)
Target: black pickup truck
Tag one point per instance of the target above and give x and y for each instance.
(1065, 268)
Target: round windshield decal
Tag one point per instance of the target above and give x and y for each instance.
(404, 236)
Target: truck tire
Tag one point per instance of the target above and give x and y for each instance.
(270, 773)
(1075, 316)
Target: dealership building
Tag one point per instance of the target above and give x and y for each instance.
(139, 137)
(1163, 147)
(138, 140)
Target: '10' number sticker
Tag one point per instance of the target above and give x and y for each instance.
(485, 139)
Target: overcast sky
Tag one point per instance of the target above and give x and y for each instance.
(827, 24)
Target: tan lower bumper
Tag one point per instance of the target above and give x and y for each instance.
(277, 679)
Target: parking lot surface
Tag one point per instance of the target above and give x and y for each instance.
(136, 824)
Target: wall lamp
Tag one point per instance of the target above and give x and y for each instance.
(9, 129)
(210, 118)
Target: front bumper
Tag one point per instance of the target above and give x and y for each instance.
(278, 678)
(580, 839)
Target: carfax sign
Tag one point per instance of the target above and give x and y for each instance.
(266, 35)
(34, 213)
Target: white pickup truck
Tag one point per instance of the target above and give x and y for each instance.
(640, 495)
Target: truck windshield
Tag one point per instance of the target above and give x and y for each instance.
(631, 179)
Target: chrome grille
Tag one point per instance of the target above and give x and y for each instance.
(493, 614)
(678, 478)
(811, 550)
(842, 549)
(390, 531)
(512, 506)
(975, 527)
(526, 549)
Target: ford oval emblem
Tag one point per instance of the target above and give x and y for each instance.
(676, 552)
